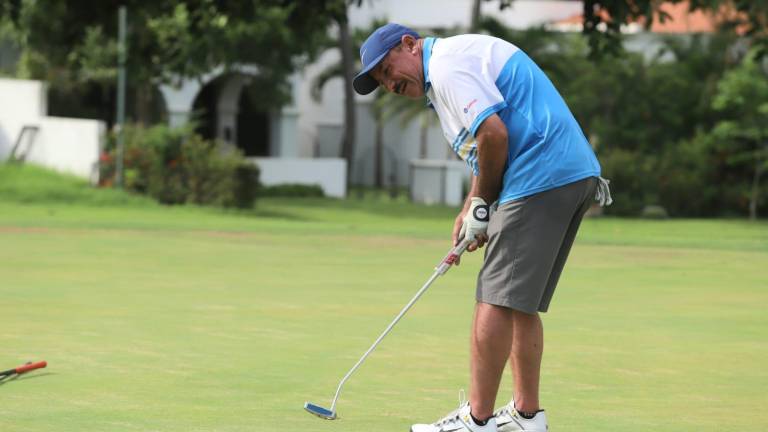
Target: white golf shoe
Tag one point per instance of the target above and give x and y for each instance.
(457, 421)
(509, 420)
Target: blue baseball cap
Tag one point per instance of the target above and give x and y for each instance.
(373, 51)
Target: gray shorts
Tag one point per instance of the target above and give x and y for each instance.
(528, 244)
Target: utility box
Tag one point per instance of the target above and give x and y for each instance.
(438, 181)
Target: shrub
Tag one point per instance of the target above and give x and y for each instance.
(654, 212)
(633, 181)
(246, 186)
(687, 183)
(293, 191)
(177, 166)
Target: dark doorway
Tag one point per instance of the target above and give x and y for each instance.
(252, 127)
(204, 111)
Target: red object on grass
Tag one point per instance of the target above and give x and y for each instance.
(32, 366)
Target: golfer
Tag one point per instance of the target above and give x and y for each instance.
(531, 162)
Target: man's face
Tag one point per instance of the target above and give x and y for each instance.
(401, 70)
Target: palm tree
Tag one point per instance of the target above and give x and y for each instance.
(386, 106)
(335, 70)
(407, 110)
(345, 45)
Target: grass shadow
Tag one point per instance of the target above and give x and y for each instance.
(25, 377)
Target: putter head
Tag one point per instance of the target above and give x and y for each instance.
(319, 411)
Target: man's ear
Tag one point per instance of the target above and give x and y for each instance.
(409, 42)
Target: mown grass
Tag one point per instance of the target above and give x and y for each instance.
(193, 319)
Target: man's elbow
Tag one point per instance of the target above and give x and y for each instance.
(495, 137)
(492, 131)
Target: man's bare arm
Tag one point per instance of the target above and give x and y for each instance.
(472, 192)
(492, 147)
(492, 160)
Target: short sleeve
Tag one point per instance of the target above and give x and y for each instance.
(463, 85)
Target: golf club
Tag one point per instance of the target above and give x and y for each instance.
(22, 369)
(445, 264)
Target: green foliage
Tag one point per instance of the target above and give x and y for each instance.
(688, 183)
(9, 10)
(633, 185)
(292, 191)
(246, 186)
(168, 41)
(603, 20)
(743, 98)
(175, 39)
(176, 166)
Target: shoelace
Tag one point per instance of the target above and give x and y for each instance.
(454, 415)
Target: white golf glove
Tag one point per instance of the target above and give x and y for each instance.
(476, 219)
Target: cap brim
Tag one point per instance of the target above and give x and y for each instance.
(364, 83)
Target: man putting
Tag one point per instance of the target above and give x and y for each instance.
(528, 155)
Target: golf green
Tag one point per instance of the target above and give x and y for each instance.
(186, 319)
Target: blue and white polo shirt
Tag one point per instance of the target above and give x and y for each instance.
(470, 77)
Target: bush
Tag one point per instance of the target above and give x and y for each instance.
(177, 166)
(246, 187)
(687, 184)
(293, 191)
(633, 181)
(654, 212)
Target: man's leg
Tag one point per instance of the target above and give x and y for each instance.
(492, 332)
(525, 359)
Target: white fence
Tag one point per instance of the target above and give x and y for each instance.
(438, 181)
(328, 173)
(64, 144)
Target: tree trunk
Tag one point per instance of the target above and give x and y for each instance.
(755, 195)
(424, 125)
(143, 104)
(474, 21)
(379, 152)
(348, 143)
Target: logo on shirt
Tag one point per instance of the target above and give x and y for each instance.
(466, 108)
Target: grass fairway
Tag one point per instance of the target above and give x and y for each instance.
(185, 319)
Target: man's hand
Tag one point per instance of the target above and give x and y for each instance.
(474, 223)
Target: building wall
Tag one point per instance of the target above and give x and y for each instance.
(67, 145)
(328, 173)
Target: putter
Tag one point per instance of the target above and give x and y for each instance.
(22, 369)
(445, 264)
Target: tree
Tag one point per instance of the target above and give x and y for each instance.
(743, 97)
(170, 40)
(347, 60)
(603, 20)
(349, 43)
(10, 9)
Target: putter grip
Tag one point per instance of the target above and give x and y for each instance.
(31, 366)
(452, 256)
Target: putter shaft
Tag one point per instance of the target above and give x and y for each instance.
(441, 269)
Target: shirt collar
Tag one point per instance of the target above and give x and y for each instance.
(426, 55)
